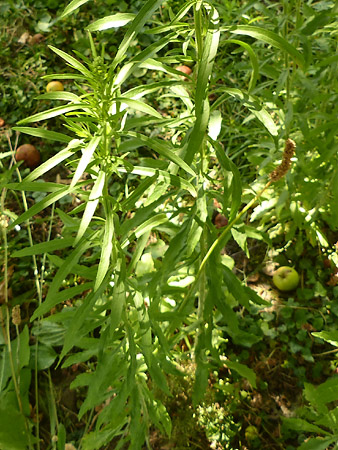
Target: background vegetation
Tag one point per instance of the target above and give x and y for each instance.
(137, 306)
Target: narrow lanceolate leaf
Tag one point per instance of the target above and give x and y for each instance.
(161, 148)
(34, 186)
(59, 95)
(86, 157)
(145, 13)
(44, 247)
(114, 21)
(257, 110)
(72, 6)
(72, 61)
(60, 276)
(202, 109)
(91, 205)
(44, 134)
(253, 60)
(162, 175)
(54, 161)
(145, 227)
(137, 105)
(270, 38)
(107, 246)
(51, 198)
(54, 112)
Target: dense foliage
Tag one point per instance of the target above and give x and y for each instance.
(187, 150)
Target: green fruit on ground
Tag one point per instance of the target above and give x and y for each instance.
(29, 154)
(251, 433)
(54, 86)
(286, 278)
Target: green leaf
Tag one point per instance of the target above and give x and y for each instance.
(107, 245)
(145, 13)
(54, 112)
(60, 95)
(302, 426)
(270, 38)
(145, 227)
(253, 60)
(87, 153)
(329, 336)
(114, 21)
(92, 203)
(35, 209)
(44, 247)
(74, 4)
(13, 434)
(72, 62)
(162, 148)
(257, 110)
(137, 105)
(318, 443)
(44, 134)
(54, 161)
(162, 175)
(243, 370)
(59, 277)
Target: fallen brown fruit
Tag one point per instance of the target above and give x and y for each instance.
(2, 122)
(54, 86)
(184, 69)
(220, 221)
(29, 154)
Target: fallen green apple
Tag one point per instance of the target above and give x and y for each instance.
(286, 278)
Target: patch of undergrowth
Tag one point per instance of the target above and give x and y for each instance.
(137, 304)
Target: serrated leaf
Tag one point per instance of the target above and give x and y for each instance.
(243, 370)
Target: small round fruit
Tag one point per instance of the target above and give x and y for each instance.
(184, 69)
(54, 86)
(29, 154)
(220, 221)
(286, 278)
(251, 433)
(2, 122)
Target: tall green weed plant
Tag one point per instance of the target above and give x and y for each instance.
(141, 243)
